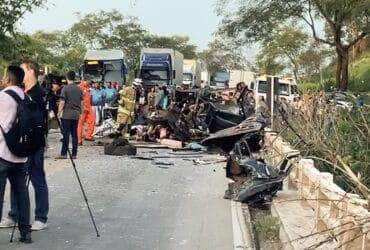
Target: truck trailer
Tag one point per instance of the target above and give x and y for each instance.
(104, 66)
(192, 74)
(161, 66)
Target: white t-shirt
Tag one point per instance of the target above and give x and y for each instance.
(8, 112)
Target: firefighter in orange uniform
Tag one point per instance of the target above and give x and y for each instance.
(87, 115)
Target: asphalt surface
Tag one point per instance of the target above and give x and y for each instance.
(137, 205)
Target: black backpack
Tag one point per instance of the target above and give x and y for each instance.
(26, 134)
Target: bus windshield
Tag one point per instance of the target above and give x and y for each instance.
(221, 77)
(187, 76)
(283, 89)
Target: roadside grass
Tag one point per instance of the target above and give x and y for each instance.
(267, 226)
(360, 74)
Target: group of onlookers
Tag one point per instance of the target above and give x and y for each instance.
(21, 87)
(73, 104)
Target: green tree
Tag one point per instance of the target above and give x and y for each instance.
(312, 62)
(223, 54)
(285, 44)
(13, 10)
(105, 30)
(128, 36)
(179, 43)
(347, 23)
(268, 64)
(10, 12)
(94, 28)
(67, 54)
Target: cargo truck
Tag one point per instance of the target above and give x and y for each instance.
(104, 66)
(220, 80)
(192, 74)
(286, 88)
(237, 76)
(161, 66)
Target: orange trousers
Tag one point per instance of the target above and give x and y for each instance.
(89, 118)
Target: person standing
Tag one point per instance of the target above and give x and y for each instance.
(35, 162)
(97, 101)
(110, 94)
(87, 116)
(126, 108)
(54, 95)
(70, 109)
(13, 167)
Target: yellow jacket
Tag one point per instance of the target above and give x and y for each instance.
(127, 100)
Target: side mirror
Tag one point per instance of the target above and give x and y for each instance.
(211, 78)
(174, 74)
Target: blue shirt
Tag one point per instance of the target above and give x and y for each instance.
(110, 94)
(97, 97)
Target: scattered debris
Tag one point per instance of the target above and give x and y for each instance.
(196, 146)
(150, 146)
(254, 180)
(173, 144)
(162, 163)
(167, 157)
(105, 129)
(120, 147)
(198, 116)
(251, 129)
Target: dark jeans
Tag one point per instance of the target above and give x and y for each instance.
(69, 127)
(37, 174)
(17, 175)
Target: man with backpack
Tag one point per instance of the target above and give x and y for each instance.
(12, 166)
(36, 160)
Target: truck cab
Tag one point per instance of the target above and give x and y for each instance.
(160, 67)
(220, 80)
(192, 74)
(104, 66)
(287, 88)
(156, 69)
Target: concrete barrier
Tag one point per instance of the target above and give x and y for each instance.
(333, 211)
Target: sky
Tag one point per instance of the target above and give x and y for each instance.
(193, 18)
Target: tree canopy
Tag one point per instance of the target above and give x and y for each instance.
(223, 54)
(12, 10)
(346, 21)
(64, 50)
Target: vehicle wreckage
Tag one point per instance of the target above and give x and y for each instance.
(194, 114)
(231, 127)
(254, 180)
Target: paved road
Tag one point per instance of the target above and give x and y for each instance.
(137, 205)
